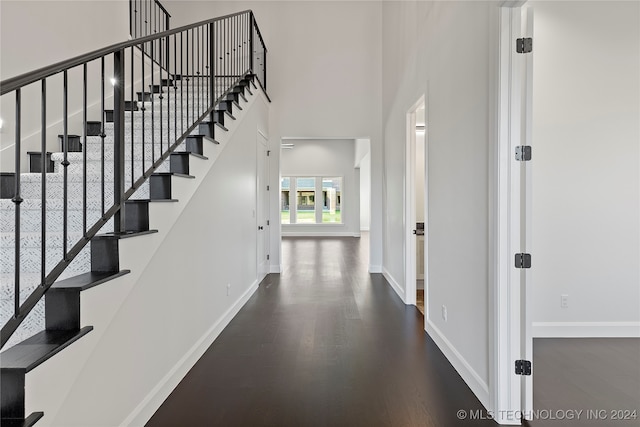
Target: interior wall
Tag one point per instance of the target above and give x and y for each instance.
(329, 158)
(586, 165)
(425, 52)
(324, 78)
(365, 193)
(34, 34)
(161, 320)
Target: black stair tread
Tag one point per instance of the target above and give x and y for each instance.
(181, 175)
(39, 152)
(86, 281)
(19, 422)
(124, 234)
(159, 200)
(224, 110)
(189, 153)
(33, 351)
(206, 137)
(222, 127)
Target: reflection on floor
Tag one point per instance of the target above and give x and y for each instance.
(420, 300)
(586, 381)
(323, 344)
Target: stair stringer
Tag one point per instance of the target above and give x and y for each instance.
(72, 388)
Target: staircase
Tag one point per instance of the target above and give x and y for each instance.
(69, 227)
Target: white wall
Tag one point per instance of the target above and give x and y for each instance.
(34, 34)
(324, 77)
(153, 324)
(586, 183)
(365, 193)
(426, 52)
(330, 158)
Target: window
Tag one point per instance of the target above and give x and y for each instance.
(331, 194)
(306, 201)
(316, 200)
(285, 210)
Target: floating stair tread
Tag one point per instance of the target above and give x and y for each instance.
(33, 351)
(222, 127)
(158, 200)
(18, 422)
(181, 175)
(189, 153)
(124, 234)
(86, 281)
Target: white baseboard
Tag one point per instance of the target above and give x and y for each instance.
(319, 234)
(586, 329)
(365, 229)
(375, 268)
(477, 385)
(394, 284)
(275, 268)
(150, 404)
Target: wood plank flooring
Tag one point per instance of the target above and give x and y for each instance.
(593, 380)
(325, 343)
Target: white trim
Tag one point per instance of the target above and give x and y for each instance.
(319, 234)
(375, 269)
(150, 404)
(275, 268)
(364, 229)
(410, 249)
(586, 329)
(475, 382)
(394, 284)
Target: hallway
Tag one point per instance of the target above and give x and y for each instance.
(322, 344)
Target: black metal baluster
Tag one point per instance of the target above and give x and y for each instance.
(173, 81)
(143, 108)
(43, 183)
(84, 151)
(175, 86)
(197, 95)
(132, 127)
(102, 133)
(118, 141)
(181, 83)
(65, 164)
(188, 85)
(209, 67)
(153, 108)
(161, 97)
(211, 96)
(17, 199)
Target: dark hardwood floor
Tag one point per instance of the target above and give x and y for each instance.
(593, 380)
(325, 343)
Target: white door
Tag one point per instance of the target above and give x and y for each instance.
(262, 204)
(513, 379)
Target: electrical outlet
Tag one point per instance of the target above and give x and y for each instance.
(228, 289)
(564, 301)
(445, 316)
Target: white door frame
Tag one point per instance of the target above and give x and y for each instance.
(262, 204)
(410, 207)
(511, 394)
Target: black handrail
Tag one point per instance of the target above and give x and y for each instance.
(14, 83)
(218, 54)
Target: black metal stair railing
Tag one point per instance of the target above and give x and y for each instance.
(139, 126)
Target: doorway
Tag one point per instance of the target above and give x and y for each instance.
(262, 204)
(416, 207)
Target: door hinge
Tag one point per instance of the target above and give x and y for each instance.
(524, 45)
(267, 188)
(267, 257)
(267, 222)
(523, 260)
(523, 153)
(268, 152)
(523, 367)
